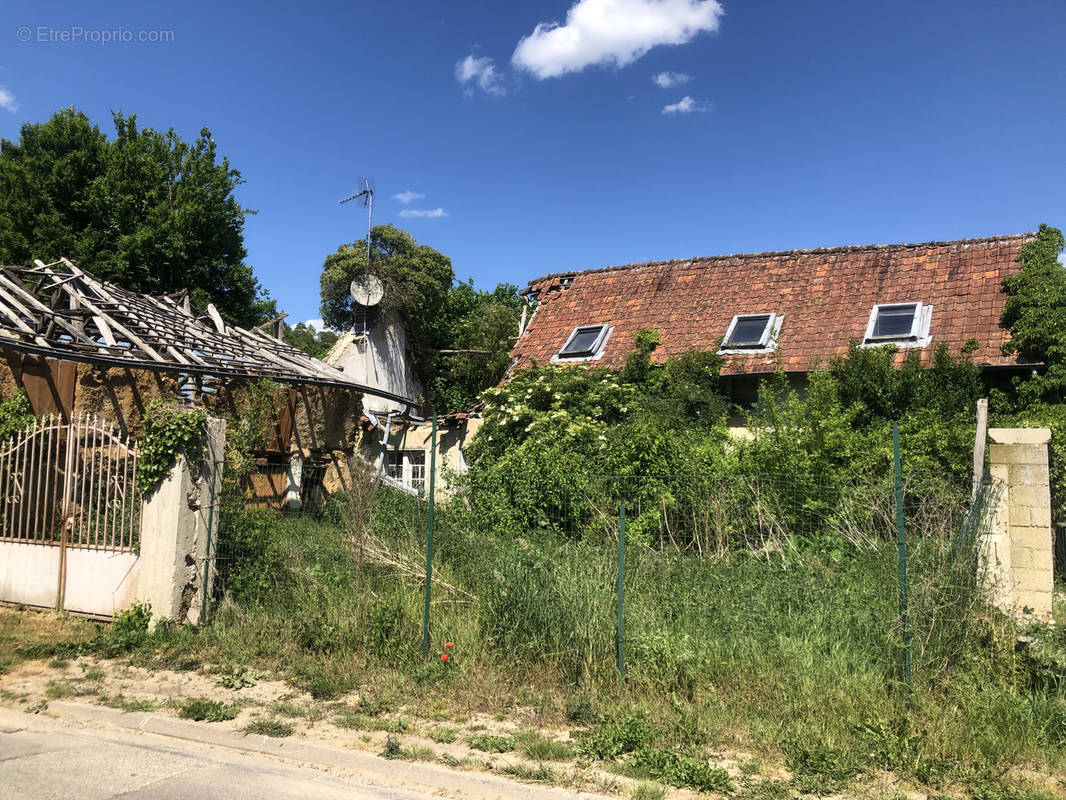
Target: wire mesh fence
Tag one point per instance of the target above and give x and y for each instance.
(707, 565)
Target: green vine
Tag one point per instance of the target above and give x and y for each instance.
(15, 415)
(249, 428)
(169, 432)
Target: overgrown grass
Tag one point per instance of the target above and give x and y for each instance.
(540, 773)
(274, 728)
(127, 704)
(490, 743)
(535, 745)
(202, 710)
(23, 634)
(793, 653)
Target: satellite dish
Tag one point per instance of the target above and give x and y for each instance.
(367, 290)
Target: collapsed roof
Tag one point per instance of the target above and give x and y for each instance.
(60, 311)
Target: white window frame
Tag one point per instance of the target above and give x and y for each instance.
(767, 342)
(407, 466)
(918, 336)
(597, 348)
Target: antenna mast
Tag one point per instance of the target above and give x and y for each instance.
(367, 196)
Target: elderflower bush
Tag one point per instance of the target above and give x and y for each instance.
(561, 446)
(566, 405)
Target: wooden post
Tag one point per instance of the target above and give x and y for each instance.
(979, 444)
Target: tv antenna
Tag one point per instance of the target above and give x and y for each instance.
(366, 290)
(367, 196)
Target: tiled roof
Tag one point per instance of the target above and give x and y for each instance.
(825, 295)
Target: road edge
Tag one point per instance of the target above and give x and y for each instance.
(416, 776)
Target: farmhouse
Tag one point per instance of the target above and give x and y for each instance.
(789, 311)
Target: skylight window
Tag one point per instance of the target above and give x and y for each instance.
(750, 331)
(896, 322)
(584, 342)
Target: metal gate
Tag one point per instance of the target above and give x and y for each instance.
(69, 486)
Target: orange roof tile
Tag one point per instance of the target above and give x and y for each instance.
(825, 295)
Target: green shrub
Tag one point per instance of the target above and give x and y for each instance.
(443, 735)
(680, 770)
(252, 564)
(324, 684)
(15, 415)
(490, 743)
(203, 710)
(616, 739)
(818, 768)
(268, 727)
(533, 744)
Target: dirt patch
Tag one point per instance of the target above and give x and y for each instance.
(352, 722)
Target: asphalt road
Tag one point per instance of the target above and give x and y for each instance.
(43, 759)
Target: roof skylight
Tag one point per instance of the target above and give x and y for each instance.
(894, 322)
(584, 342)
(751, 331)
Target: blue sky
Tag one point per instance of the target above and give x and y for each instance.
(534, 138)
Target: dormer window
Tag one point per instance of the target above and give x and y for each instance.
(901, 323)
(585, 342)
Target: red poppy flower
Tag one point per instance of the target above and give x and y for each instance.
(449, 644)
(443, 656)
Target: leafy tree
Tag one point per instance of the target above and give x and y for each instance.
(306, 338)
(145, 210)
(684, 392)
(481, 325)
(1035, 312)
(439, 316)
(416, 279)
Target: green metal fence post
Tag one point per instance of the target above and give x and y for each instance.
(205, 599)
(429, 535)
(902, 542)
(621, 584)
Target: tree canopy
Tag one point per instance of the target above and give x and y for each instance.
(480, 325)
(415, 276)
(1035, 312)
(306, 338)
(145, 210)
(439, 316)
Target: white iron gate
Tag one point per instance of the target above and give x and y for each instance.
(69, 514)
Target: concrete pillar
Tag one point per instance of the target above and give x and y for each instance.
(179, 527)
(1018, 555)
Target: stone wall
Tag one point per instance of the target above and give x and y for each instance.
(1017, 556)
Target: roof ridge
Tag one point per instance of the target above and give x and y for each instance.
(848, 248)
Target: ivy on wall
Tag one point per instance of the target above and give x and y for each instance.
(169, 431)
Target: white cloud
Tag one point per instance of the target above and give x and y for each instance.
(686, 105)
(408, 196)
(612, 32)
(317, 324)
(428, 213)
(7, 100)
(666, 80)
(480, 71)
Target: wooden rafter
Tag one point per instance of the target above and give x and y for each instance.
(60, 311)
